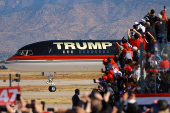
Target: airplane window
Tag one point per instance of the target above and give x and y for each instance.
(71, 51)
(67, 51)
(107, 51)
(63, 51)
(91, 51)
(99, 51)
(84, 51)
(95, 51)
(87, 51)
(80, 51)
(103, 51)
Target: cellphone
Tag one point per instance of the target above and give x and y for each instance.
(164, 7)
(28, 106)
(43, 103)
(94, 80)
(129, 93)
(98, 86)
(101, 69)
(50, 109)
(18, 97)
(3, 108)
(32, 105)
(131, 29)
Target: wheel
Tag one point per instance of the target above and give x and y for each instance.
(52, 88)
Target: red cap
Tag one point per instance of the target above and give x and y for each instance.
(129, 49)
(104, 77)
(124, 51)
(149, 54)
(109, 76)
(125, 45)
(117, 46)
(111, 72)
(153, 70)
(104, 60)
(155, 102)
(107, 72)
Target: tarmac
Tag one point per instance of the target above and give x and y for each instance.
(42, 82)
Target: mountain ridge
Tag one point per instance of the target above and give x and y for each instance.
(51, 21)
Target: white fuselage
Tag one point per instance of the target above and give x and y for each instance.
(64, 65)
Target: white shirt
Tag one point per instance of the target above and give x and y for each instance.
(136, 73)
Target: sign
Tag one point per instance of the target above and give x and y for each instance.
(8, 95)
(86, 45)
(145, 101)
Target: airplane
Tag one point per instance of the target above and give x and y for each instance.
(62, 56)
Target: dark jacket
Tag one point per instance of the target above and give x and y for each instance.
(112, 94)
(152, 19)
(75, 100)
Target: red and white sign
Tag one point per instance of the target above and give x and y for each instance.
(8, 95)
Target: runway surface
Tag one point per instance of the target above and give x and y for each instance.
(43, 82)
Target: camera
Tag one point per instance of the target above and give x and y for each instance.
(18, 97)
(50, 109)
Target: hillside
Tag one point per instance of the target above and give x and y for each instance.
(32, 21)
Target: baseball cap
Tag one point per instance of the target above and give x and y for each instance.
(136, 23)
(103, 83)
(104, 60)
(134, 48)
(109, 76)
(159, 16)
(125, 45)
(104, 77)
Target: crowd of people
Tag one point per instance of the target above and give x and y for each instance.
(134, 64)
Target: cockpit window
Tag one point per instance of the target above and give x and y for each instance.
(24, 53)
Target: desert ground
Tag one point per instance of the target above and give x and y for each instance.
(33, 86)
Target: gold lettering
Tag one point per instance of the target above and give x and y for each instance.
(69, 44)
(79, 47)
(97, 45)
(58, 44)
(106, 44)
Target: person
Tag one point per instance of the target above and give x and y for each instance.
(136, 40)
(75, 99)
(110, 89)
(165, 63)
(152, 17)
(136, 70)
(168, 31)
(163, 106)
(160, 29)
(121, 82)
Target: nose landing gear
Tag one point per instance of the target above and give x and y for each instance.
(52, 87)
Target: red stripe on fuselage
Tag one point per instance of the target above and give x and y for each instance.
(54, 57)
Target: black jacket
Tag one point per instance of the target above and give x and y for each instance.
(112, 94)
(75, 100)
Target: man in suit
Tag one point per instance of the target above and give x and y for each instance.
(75, 98)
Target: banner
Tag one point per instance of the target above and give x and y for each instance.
(145, 101)
(8, 95)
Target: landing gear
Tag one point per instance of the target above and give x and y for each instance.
(52, 87)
